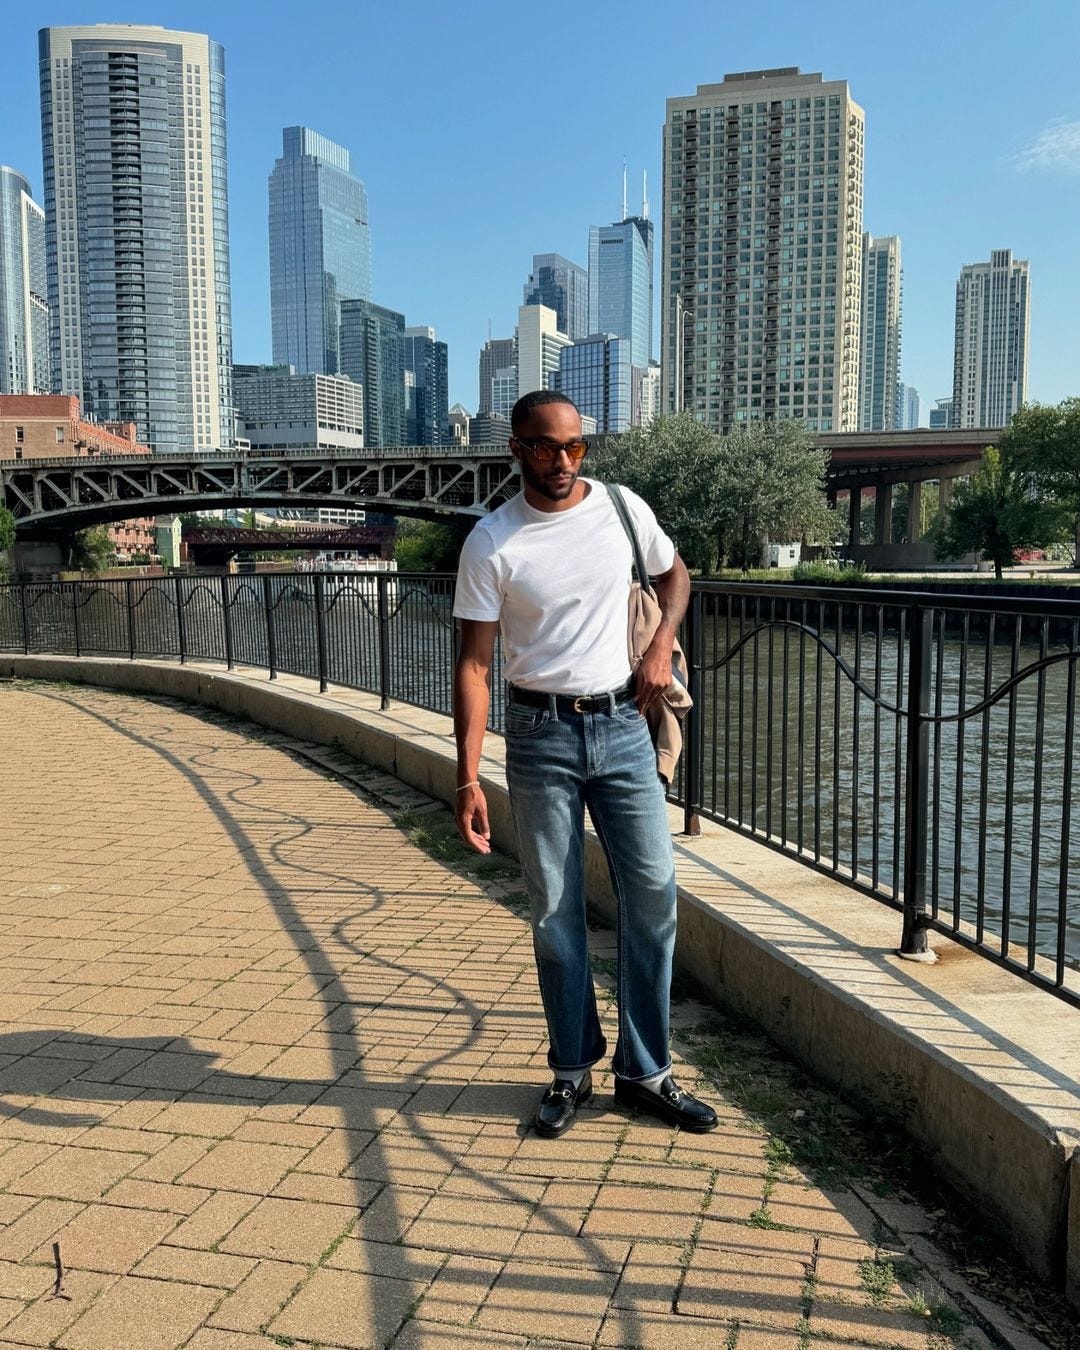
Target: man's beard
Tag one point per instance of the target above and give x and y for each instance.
(539, 482)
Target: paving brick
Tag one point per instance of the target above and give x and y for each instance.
(632, 1212)
(46, 1319)
(568, 1304)
(420, 1335)
(105, 1237)
(650, 1278)
(837, 1212)
(342, 1309)
(458, 1290)
(235, 1166)
(212, 1220)
(751, 1287)
(157, 1195)
(32, 1228)
(190, 1267)
(259, 1297)
(165, 1315)
(660, 1331)
(289, 1230)
(76, 1174)
(467, 1224)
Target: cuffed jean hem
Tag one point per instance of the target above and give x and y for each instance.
(621, 1078)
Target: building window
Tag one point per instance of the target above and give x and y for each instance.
(20, 435)
(59, 435)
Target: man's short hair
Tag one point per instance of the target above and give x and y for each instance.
(523, 408)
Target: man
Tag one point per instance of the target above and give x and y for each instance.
(553, 567)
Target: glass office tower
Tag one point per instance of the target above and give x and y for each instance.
(621, 283)
(137, 228)
(598, 374)
(428, 412)
(24, 306)
(562, 286)
(320, 249)
(879, 371)
(372, 345)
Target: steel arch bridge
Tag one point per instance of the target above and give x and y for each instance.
(51, 497)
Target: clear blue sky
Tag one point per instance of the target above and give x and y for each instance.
(486, 132)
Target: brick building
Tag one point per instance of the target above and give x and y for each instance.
(40, 426)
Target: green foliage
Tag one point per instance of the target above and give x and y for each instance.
(92, 550)
(7, 540)
(994, 513)
(723, 497)
(829, 574)
(424, 546)
(1043, 442)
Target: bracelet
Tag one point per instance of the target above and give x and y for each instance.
(475, 783)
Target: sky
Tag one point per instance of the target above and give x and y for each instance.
(486, 132)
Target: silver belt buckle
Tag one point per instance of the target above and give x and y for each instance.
(579, 701)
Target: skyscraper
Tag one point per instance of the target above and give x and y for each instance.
(279, 409)
(562, 286)
(137, 228)
(621, 282)
(990, 355)
(762, 265)
(24, 306)
(372, 346)
(320, 248)
(497, 356)
(598, 374)
(428, 404)
(539, 343)
(910, 408)
(879, 372)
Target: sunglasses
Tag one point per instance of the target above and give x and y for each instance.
(545, 451)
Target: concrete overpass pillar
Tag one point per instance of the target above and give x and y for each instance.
(914, 528)
(854, 515)
(883, 513)
(945, 489)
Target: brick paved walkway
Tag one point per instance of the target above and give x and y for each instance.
(266, 1071)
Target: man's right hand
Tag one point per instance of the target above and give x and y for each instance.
(471, 813)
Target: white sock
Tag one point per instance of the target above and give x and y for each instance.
(652, 1083)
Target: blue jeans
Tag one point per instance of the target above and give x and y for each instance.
(557, 765)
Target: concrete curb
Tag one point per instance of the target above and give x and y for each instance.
(980, 1059)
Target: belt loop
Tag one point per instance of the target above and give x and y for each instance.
(611, 702)
(553, 705)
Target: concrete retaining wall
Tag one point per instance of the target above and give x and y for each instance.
(994, 1101)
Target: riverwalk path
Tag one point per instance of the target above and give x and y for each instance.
(268, 1056)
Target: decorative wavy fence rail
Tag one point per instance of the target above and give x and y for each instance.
(920, 748)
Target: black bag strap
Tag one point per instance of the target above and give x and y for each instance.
(622, 511)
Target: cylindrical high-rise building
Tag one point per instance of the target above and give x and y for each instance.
(137, 228)
(24, 307)
(762, 267)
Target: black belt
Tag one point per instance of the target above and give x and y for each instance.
(579, 703)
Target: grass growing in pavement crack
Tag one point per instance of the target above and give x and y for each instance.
(436, 833)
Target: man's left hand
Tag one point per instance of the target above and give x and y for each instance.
(654, 676)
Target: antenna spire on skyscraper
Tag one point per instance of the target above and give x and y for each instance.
(623, 216)
(645, 194)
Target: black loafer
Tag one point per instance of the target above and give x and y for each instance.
(559, 1104)
(671, 1103)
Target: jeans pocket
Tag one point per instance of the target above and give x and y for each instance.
(522, 721)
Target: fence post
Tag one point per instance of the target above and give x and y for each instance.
(25, 618)
(181, 621)
(694, 726)
(320, 627)
(913, 943)
(271, 635)
(226, 614)
(130, 619)
(384, 641)
(75, 617)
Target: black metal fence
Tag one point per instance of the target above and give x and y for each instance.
(920, 748)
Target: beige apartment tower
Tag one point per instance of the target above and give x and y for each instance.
(990, 359)
(762, 265)
(137, 229)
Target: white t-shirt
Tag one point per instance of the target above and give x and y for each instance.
(557, 582)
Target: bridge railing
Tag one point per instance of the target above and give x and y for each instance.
(920, 748)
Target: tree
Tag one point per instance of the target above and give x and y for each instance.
(7, 539)
(1043, 441)
(424, 546)
(92, 550)
(771, 486)
(672, 464)
(994, 513)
